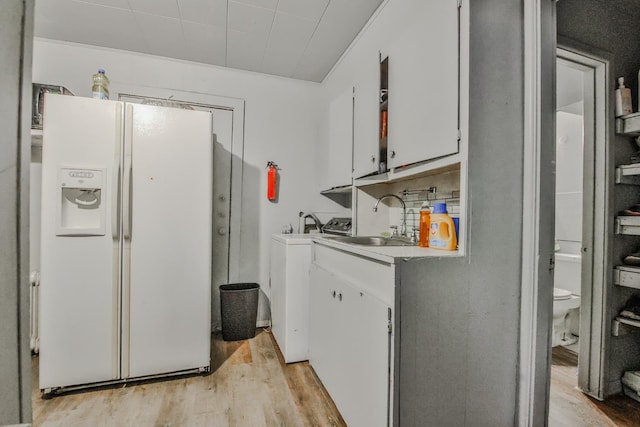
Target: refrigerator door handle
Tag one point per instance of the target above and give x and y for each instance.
(128, 172)
(115, 200)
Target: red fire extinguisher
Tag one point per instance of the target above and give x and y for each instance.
(272, 181)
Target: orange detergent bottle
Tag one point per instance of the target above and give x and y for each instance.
(424, 227)
(442, 233)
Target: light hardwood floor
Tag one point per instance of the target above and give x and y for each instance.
(569, 407)
(249, 385)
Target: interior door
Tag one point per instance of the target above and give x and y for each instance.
(167, 222)
(222, 140)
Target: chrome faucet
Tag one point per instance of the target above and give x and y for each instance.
(316, 222)
(403, 227)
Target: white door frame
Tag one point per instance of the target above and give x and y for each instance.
(236, 105)
(538, 219)
(538, 212)
(597, 229)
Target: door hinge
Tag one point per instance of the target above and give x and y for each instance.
(459, 4)
(389, 322)
(459, 135)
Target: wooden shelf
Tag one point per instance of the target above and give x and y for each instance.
(624, 275)
(622, 326)
(628, 174)
(628, 125)
(36, 137)
(629, 225)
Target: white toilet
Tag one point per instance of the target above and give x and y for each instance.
(566, 298)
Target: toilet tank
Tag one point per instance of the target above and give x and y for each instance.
(568, 272)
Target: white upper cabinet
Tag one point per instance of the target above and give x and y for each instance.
(366, 141)
(340, 140)
(423, 86)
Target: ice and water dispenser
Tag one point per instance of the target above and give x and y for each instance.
(81, 204)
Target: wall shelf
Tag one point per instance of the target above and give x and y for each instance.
(629, 225)
(624, 275)
(628, 125)
(623, 326)
(36, 137)
(341, 195)
(628, 174)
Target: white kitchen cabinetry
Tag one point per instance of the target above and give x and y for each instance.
(366, 141)
(424, 87)
(340, 165)
(351, 333)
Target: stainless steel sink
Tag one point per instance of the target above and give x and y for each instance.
(374, 241)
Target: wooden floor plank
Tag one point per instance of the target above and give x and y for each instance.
(248, 386)
(569, 407)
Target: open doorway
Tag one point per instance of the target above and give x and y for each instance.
(581, 213)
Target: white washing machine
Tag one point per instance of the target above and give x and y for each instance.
(289, 286)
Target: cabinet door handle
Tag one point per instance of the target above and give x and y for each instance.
(333, 294)
(392, 154)
(373, 159)
(340, 297)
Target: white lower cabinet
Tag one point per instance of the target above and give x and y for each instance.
(350, 346)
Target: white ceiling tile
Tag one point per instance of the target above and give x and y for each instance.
(250, 19)
(245, 50)
(310, 9)
(287, 42)
(341, 22)
(75, 21)
(121, 4)
(168, 8)
(207, 12)
(314, 67)
(266, 4)
(280, 63)
(282, 37)
(163, 35)
(205, 43)
(289, 31)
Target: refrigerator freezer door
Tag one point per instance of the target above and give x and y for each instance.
(79, 340)
(169, 205)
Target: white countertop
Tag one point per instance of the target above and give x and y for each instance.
(293, 239)
(388, 254)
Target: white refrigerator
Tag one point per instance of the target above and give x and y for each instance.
(126, 242)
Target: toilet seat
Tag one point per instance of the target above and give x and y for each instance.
(560, 294)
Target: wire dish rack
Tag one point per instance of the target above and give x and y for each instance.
(415, 198)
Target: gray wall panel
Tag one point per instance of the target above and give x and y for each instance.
(460, 317)
(15, 27)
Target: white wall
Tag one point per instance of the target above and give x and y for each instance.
(281, 124)
(569, 158)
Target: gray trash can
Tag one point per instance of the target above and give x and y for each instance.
(239, 310)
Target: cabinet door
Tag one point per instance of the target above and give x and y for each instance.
(366, 108)
(341, 139)
(423, 86)
(323, 328)
(349, 347)
(363, 396)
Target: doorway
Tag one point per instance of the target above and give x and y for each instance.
(581, 213)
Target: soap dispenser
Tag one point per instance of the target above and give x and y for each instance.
(623, 99)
